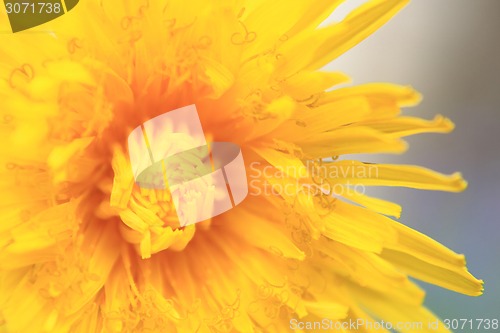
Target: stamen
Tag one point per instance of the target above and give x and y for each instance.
(21, 75)
(74, 44)
(246, 37)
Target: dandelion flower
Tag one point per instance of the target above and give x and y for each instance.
(85, 249)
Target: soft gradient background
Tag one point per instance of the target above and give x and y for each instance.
(450, 51)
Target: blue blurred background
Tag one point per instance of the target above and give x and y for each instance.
(450, 51)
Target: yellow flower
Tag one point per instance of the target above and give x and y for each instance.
(84, 249)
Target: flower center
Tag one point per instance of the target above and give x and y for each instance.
(149, 220)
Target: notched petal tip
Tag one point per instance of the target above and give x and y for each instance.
(459, 183)
(445, 124)
(409, 96)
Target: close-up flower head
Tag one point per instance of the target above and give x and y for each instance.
(193, 166)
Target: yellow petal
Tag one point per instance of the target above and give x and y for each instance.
(377, 205)
(378, 95)
(404, 126)
(133, 221)
(60, 155)
(101, 259)
(428, 260)
(358, 227)
(369, 174)
(350, 140)
(123, 181)
(308, 122)
(330, 310)
(263, 234)
(412, 318)
(303, 85)
(264, 29)
(221, 79)
(31, 308)
(66, 70)
(284, 163)
(315, 13)
(457, 279)
(319, 47)
(37, 240)
(274, 114)
(364, 268)
(145, 245)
